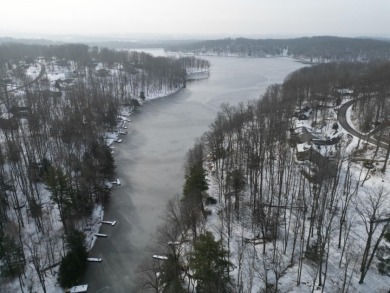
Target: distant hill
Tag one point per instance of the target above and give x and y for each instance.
(308, 49)
(4, 40)
(125, 44)
(108, 43)
(314, 49)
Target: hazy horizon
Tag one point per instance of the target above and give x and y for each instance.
(174, 19)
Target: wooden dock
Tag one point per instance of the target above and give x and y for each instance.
(160, 257)
(112, 223)
(94, 259)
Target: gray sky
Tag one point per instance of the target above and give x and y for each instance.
(178, 17)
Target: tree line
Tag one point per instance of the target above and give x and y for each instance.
(316, 49)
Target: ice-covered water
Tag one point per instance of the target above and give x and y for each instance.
(151, 157)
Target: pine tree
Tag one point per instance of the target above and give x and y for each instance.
(58, 185)
(11, 257)
(170, 275)
(73, 265)
(195, 181)
(208, 261)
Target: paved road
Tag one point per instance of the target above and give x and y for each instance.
(41, 73)
(342, 118)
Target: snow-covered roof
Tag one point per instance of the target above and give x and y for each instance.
(302, 147)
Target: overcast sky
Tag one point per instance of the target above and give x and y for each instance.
(178, 17)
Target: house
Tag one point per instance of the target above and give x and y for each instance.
(303, 151)
(50, 94)
(304, 113)
(21, 112)
(102, 72)
(68, 80)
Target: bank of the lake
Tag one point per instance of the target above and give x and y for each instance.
(151, 157)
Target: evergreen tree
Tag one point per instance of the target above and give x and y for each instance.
(195, 181)
(74, 264)
(195, 178)
(11, 257)
(58, 185)
(208, 261)
(170, 275)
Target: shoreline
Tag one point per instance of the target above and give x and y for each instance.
(229, 56)
(98, 212)
(190, 77)
(302, 61)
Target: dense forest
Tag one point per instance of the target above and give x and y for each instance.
(278, 197)
(60, 105)
(314, 49)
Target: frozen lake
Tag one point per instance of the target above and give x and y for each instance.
(151, 157)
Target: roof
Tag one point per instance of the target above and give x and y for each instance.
(303, 147)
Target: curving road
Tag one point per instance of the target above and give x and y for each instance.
(342, 118)
(41, 73)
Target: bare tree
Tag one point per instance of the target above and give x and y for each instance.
(373, 212)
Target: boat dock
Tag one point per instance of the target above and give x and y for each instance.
(112, 223)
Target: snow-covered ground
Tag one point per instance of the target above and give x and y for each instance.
(253, 268)
(49, 243)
